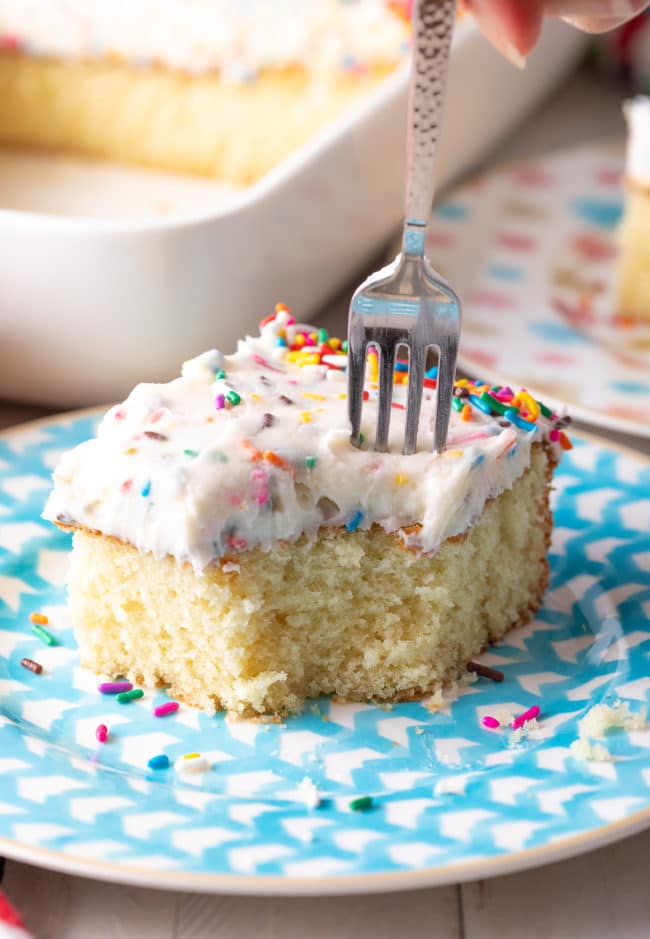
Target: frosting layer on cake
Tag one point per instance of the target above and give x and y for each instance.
(252, 448)
(237, 37)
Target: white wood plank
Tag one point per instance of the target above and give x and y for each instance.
(595, 896)
(417, 915)
(55, 906)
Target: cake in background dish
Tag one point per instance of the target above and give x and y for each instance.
(213, 87)
(230, 542)
(634, 266)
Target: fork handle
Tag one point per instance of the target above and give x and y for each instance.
(433, 23)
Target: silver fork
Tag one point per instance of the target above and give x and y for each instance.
(407, 302)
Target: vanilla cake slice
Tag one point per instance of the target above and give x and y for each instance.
(223, 88)
(230, 542)
(634, 233)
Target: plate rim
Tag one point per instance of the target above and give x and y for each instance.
(563, 848)
(328, 885)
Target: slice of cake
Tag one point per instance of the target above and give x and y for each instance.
(229, 540)
(634, 233)
(223, 88)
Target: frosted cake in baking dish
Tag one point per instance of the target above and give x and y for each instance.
(222, 88)
(231, 542)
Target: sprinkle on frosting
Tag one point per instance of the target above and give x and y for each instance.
(213, 483)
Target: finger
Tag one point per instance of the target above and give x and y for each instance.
(592, 18)
(596, 24)
(513, 27)
(619, 10)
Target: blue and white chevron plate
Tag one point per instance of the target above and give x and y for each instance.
(451, 800)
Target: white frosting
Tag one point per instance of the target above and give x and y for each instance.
(239, 37)
(171, 474)
(637, 112)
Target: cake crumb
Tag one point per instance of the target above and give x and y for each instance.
(435, 702)
(583, 749)
(601, 718)
(309, 793)
(446, 695)
(518, 736)
(504, 716)
(597, 722)
(468, 678)
(231, 568)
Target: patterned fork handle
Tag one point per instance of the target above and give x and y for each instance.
(433, 28)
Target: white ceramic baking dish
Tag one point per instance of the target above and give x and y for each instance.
(109, 276)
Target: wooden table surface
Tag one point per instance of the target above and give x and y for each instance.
(596, 896)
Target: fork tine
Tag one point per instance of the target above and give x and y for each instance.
(445, 390)
(357, 345)
(386, 370)
(417, 356)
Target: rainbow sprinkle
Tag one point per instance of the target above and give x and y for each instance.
(114, 687)
(160, 761)
(360, 804)
(43, 635)
(32, 666)
(528, 715)
(354, 521)
(39, 618)
(192, 763)
(169, 707)
(125, 696)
